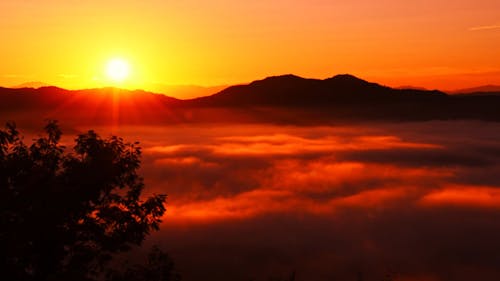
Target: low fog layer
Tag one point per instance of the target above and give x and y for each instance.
(419, 201)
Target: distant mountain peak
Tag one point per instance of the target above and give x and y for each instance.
(284, 98)
(278, 79)
(347, 78)
(484, 89)
(50, 88)
(284, 76)
(411, 87)
(33, 84)
(293, 77)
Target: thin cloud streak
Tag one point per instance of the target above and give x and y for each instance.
(485, 27)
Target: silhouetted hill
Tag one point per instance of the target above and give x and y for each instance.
(186, 91)
(292, 99)
(34, 84)
(479, 89)
(410, 87)
(291, 90)
(53, 97)
(283, 99)
(102, 105)
(478, 94)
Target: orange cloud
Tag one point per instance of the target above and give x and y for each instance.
(287, 144)
(330, 174)
(374, 198)
(328, 201)
(166, 149)
(178, 160)
(264, 201)
(464, 195)
(243, 205)
(319, 188)
(284, 144)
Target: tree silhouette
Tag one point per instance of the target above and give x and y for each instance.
(159, 267)
(63, 215)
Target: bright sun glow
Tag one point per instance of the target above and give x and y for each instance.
(117, 70)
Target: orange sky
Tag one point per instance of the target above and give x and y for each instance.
(436, 44)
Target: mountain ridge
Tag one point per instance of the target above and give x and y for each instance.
(284, 99)
(294, 90)
(490, 88)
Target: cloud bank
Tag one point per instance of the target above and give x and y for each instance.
(419, 201)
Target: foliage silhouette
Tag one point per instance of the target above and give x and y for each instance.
(63, 215)
(159, 267)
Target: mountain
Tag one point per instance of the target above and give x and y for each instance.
(479, 89)
(291, 90)
(296, 100)
(92, 106)
(186, 91)
(285, 99)
(34, 84)
(54, 97)
(410, 87)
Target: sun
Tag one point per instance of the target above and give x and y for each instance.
(117, 70)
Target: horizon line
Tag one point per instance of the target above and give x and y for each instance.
(225, 86)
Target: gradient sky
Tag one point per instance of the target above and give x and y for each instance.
(436, 44)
